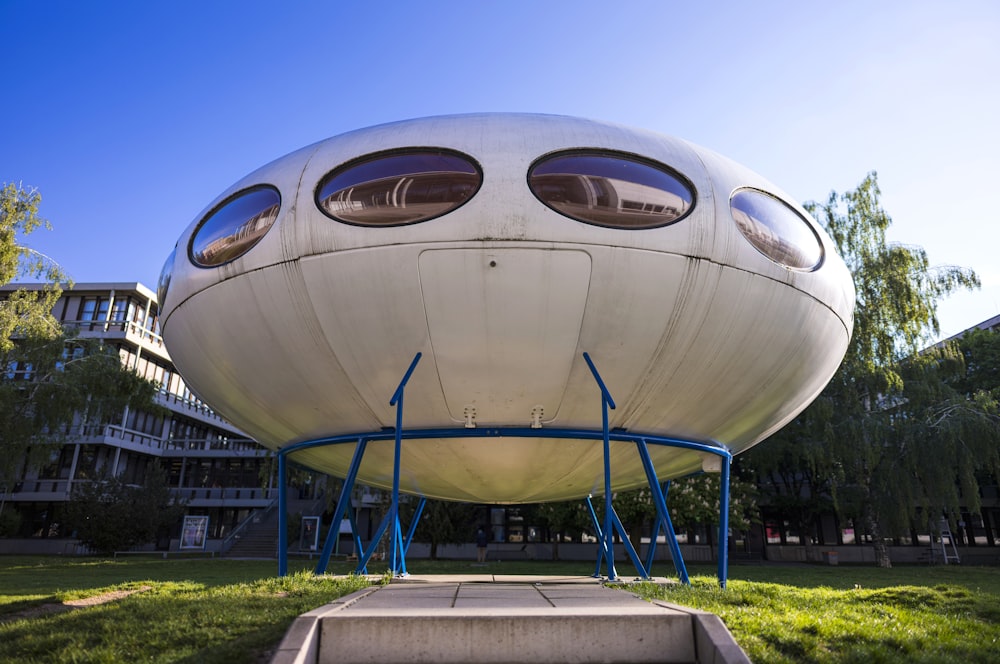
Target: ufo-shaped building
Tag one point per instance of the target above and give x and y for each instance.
(501, 248)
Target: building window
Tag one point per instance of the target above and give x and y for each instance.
(17, 370)
(143, 422)
(94, 308)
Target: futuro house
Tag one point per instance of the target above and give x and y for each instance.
(501, 248)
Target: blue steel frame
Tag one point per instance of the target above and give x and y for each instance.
(399, 545)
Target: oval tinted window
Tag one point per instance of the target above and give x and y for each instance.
(163, 283)
(613, 190)
(233, 228)
(776, 230)
(392, 189)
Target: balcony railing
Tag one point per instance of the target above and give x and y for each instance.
(240, 445)
(62, 489)
(223, 495)
(190, 404)
(130, 329)
(112, 434)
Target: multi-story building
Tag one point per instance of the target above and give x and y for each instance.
(213, 467)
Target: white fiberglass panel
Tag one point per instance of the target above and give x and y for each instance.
(504, 326)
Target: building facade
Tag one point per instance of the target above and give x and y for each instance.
(213, 467)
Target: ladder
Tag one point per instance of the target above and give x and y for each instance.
(946, 539)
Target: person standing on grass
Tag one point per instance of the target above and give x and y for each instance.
(480, 545)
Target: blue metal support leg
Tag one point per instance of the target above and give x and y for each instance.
(629, 549)
(651, 551)
(723, 571)
(413, 524)
(282, 518)
(358, 546)
(343, 506)
(660, 501)
(608, 534)
(365, 556)
(604, 533)
(398, 566)
(671, 536)
(598, 531)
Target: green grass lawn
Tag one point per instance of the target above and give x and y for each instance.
(202, 610)
(807, 613)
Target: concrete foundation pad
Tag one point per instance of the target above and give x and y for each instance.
(443, 620)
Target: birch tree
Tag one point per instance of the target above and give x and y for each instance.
(862, 442)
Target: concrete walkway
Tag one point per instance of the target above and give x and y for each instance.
(504, 619)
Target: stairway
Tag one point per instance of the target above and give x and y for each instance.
(258, 540)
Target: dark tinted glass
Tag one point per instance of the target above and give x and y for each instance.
(611, 190)
(776, 230)
(235, 227)
(398, 188)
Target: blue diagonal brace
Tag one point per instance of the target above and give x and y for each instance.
(413, 524)
(602, 550)
(660, 502)
(654, 536)
(343, 505)
(356, 534)
(629, 549)
(365, 556)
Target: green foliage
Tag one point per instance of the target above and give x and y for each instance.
(980, 350)
(49, 379)
(442, 522)
(897, 291)
(110, 515)
(568, 519)
(692, 501)
(64, 385)
(890, 437)
(26, 312)
(10, 523)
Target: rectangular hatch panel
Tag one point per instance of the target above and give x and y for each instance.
(504, 327)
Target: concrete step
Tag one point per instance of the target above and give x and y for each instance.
(503, 621)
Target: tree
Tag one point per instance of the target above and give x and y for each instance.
(25, 313)
(855, 438)
(110, 515)
(944, 437)
(442, 522)
(793, 468)
(693, 501)
(981, 351)
(53, 385)
(567, 519)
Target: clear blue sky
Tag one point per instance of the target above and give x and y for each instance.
(131, 116)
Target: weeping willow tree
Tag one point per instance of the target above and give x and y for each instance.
(889, 439)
